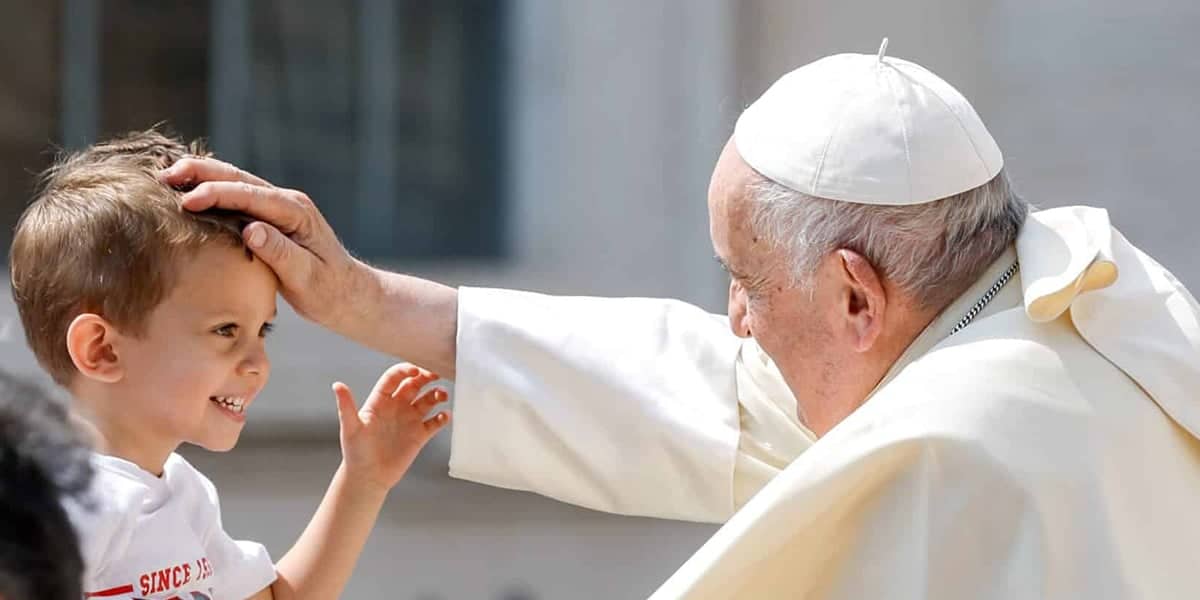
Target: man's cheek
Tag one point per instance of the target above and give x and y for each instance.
(760, 312)
(763, 330)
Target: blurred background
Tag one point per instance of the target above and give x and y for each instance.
(561, 146)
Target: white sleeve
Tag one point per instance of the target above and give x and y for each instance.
(241, 568)
(622, 405)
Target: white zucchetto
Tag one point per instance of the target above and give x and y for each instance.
(870, 129)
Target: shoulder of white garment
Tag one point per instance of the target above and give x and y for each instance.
(981, 383)
(1123, 302)
(976, 418)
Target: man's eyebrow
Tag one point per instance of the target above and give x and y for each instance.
(725, 266)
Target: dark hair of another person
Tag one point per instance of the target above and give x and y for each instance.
(43, 461)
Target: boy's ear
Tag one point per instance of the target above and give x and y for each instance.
(90, 342)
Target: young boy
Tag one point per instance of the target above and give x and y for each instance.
(155, 321)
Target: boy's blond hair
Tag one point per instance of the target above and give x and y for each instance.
(104, 235)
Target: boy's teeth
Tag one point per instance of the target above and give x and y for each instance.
(234, 403)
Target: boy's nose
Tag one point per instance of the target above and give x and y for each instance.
(255, 363)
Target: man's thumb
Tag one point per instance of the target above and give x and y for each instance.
(274, 248)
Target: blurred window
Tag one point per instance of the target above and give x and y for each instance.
(29, 98)
(390, 114)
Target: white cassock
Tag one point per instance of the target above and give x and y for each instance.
(1047, 450)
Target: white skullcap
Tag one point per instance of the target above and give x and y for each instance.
(868, 129)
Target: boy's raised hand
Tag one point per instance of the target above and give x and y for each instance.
(379, 443)
(381, 440)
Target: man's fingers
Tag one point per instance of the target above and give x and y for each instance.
(191, 170)
(287, 210)
(429, 400)
(278, 251)
(347, 412)
(290, 235)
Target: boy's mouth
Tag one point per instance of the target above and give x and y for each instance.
(234, 404)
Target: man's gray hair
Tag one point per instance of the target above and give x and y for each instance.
(934, 251)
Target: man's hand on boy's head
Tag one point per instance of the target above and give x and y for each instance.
(317, 275)
(381, 440)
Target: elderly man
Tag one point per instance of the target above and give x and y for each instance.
(1005, 402)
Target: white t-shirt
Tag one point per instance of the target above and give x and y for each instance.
(153, 538)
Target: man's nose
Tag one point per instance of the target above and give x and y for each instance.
(739, 320)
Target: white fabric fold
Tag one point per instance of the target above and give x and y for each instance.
(1068, 252)
(1138, 315)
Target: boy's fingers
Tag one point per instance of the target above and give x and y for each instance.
(409, 387)
(347, 411)
(392, 378)
(429, 400)
(435, 423)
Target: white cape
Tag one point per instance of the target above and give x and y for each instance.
(1047, 451)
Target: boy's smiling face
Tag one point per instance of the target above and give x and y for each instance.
(201, 359)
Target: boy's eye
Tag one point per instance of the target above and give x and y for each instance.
(227, 330)
(267, 328)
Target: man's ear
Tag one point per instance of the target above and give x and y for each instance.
(864, 302)
(91, 344)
